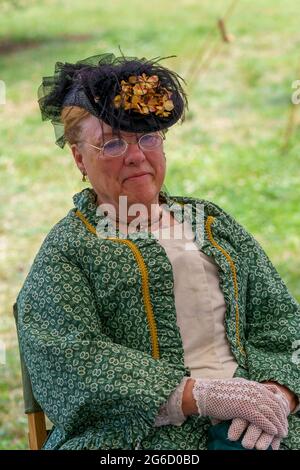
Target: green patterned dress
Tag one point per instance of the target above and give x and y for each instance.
(98, 331)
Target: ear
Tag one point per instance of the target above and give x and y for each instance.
(78, 157)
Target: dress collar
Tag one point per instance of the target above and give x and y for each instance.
(86, 202)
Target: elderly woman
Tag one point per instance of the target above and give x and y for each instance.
(150, 331)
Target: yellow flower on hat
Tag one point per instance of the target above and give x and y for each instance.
(143, 94)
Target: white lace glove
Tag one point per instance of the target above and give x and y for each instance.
(240, 398)
(255, 436)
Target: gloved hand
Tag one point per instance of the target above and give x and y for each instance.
(256, 403)
(255, 436)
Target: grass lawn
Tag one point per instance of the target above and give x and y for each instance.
(229, 149)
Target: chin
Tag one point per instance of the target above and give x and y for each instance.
(142, 195)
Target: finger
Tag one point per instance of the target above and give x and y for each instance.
(261, 420)
(252, 435)
(279, 402)
(280, 408)
(267, 416)
(276, 443)
(285, 405)
(282, 416)
(278, 393)
(264, 441)
(285, 401)
(237, 428)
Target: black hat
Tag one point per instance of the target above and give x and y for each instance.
(128, 94)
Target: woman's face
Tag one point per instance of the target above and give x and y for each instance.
(112, 177)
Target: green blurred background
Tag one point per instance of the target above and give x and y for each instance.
(229, 150)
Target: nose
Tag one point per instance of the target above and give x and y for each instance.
(134, 154)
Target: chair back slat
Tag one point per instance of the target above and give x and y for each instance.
(36, 417)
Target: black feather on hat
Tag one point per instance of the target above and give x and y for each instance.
(128, 94)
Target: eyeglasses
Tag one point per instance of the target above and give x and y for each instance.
(118, 146)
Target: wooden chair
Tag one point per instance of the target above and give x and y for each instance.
(37, 432)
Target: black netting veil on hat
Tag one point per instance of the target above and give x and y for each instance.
(95, 82)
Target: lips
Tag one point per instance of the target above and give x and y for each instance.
(136, 176)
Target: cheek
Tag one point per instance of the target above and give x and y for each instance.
(107, 173)
(161, 168)
(158, 162)
(94, 169)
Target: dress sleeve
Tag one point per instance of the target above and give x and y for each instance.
(79, 376)
(273, 324)
(272, 315)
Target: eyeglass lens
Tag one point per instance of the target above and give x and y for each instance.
(117, 147)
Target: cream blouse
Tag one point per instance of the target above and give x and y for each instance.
(200, 304)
